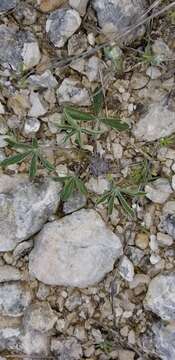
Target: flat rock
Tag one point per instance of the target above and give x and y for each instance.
(9, 273)
(160, 298)
(45, 80)
(158, 191)
(157, 123)
(34, 343)
(14, 298)
(77, 250)
(24, 208)
(68, 349)
(114, 17)
(6, 5)
(71, 91)
(18, 49)
(39, 317)
(10, 333)
(61, 25)
(164, 335)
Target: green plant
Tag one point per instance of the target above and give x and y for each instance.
(71, 184)
(167, 141)
(147, 57)
(141, 173)
(105, 346)
(122, 195)
(171, 15)
(31, 151)
(74, 122)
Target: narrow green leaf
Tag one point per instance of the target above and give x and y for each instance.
(72, 122)
(78, 115)
(34, 143)
(79, 139)
(80, 186)
(61, 179)
(16, 145)
(111, 204)
(132, 192)
(15, 159)
(68, 189)
(128, 210)
(33, 166)
(90, 132)
(98, 100)
(115, 123)
(69, 135)
(103, 198)
(47, 164)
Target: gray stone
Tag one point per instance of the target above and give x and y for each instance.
(161, 51)
(35, 343)
(135, 254)
(31, 126)
(158, 191)
(73, 302)
(10, 333)
(126, 269)
(167, 223)
(164, 239)
(6, 5)
(90, 67)
(160, 297)
(79, 5)
(97, 185)
(71, 91)
(74, 203)
(116, 16)
(9, 273)
(77, 250)
(61, 25)
(164, 340)
(14, 298)
(30, 54)
(39, 317)
(38, 106)
(24, 208)
(68, 349)
(158, 122)
(18, 49)
(77, 44)
(153, 72)
(45, 80)
(22, 249)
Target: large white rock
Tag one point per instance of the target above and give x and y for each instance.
(77, 250)
(160, 297)
(24, 208)
(158, 122)
(164, 335)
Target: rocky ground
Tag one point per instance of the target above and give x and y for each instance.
(78, 280)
